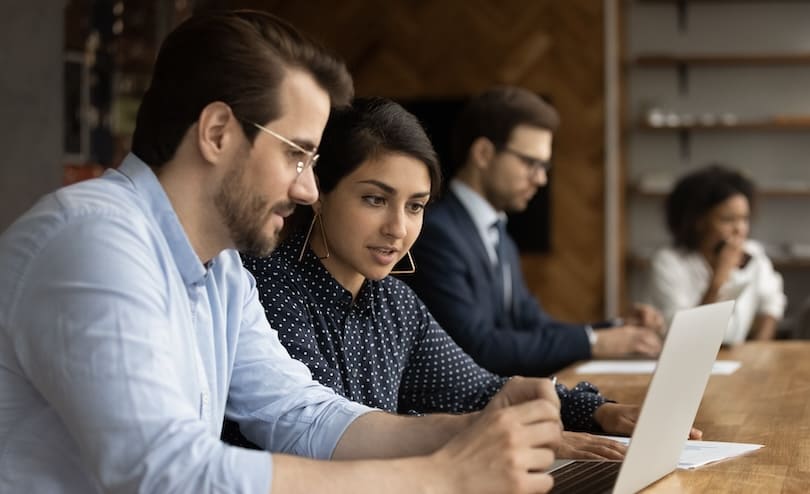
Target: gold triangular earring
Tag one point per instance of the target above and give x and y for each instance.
(315, 217)
(410, 270)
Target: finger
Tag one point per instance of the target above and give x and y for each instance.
(612, 450)
(535, 459)
(626, 426)
(605, 453)
(534, 412)
(579, 454)
(521, 389)
(595, 449)
(541, 434)
(695, 434)
(649, 344)
(539, 482)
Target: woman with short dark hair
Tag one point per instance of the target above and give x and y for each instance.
(712, 259)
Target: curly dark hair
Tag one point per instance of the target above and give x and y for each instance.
(697, 193)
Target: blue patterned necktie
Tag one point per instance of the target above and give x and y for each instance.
(503, 273)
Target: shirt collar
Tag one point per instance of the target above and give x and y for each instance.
(480, 210)
(150, 190)
(313, 270)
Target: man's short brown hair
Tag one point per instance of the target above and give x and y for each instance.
(237, 57)
(494, 114)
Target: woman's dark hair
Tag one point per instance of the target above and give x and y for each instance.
(237, 57)
(494, 114)
(697, 193)
(371, 127)
(367, 129)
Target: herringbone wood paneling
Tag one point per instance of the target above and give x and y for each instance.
(420, 49)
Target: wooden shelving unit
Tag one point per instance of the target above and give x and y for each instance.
(770, 192)
(701, 87)
(779, 263)
(671, 59)
(777, 123)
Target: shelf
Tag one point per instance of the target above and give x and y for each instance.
(792, 123)
(721, 1)
(779, 263)
(683, 7)
(684, 61)
(668, 60)
(772, 192)
(776, 123)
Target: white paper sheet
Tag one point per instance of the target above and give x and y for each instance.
(721, 367)
(698, 453)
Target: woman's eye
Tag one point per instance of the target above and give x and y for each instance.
(374, 200)
(416, 207)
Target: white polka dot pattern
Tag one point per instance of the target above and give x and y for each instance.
(384, 350)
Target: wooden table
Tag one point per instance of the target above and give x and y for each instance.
(767, 401)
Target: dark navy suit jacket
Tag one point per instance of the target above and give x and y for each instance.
(455, 279)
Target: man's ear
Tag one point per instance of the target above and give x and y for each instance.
(215, 131)
(481, 152)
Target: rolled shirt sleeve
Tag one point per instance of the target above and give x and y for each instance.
(268, 388)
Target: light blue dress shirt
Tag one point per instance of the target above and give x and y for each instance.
(120, 353)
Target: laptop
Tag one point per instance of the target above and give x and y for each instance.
(668, 411)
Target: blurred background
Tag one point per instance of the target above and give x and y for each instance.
(647, 90)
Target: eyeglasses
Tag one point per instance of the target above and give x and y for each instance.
(533, 164)
(302, 158)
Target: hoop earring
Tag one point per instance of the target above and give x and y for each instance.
(316, 217)
(410, 270)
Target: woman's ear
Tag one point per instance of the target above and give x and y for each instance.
(482, 151)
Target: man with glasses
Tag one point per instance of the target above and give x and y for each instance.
(129, 328)
(468, 270)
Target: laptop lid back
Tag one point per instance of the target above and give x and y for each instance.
(674, 395)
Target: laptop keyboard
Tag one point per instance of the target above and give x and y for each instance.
(589, 477)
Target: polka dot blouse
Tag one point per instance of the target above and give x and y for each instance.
(383, 349)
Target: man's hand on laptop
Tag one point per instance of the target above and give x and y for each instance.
(618, 419)
(508, 446)
(520, 389)
(626, 341)
(584, 446)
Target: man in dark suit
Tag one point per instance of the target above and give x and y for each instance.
(469, 271)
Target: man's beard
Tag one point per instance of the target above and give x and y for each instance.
(245, 214)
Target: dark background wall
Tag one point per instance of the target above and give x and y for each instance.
(406, 50)
(456, 48)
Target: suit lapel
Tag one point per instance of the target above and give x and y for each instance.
(468, 230)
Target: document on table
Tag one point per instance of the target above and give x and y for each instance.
(698, 453)
(721, 367)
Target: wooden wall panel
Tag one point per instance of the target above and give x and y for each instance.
(419, 49)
